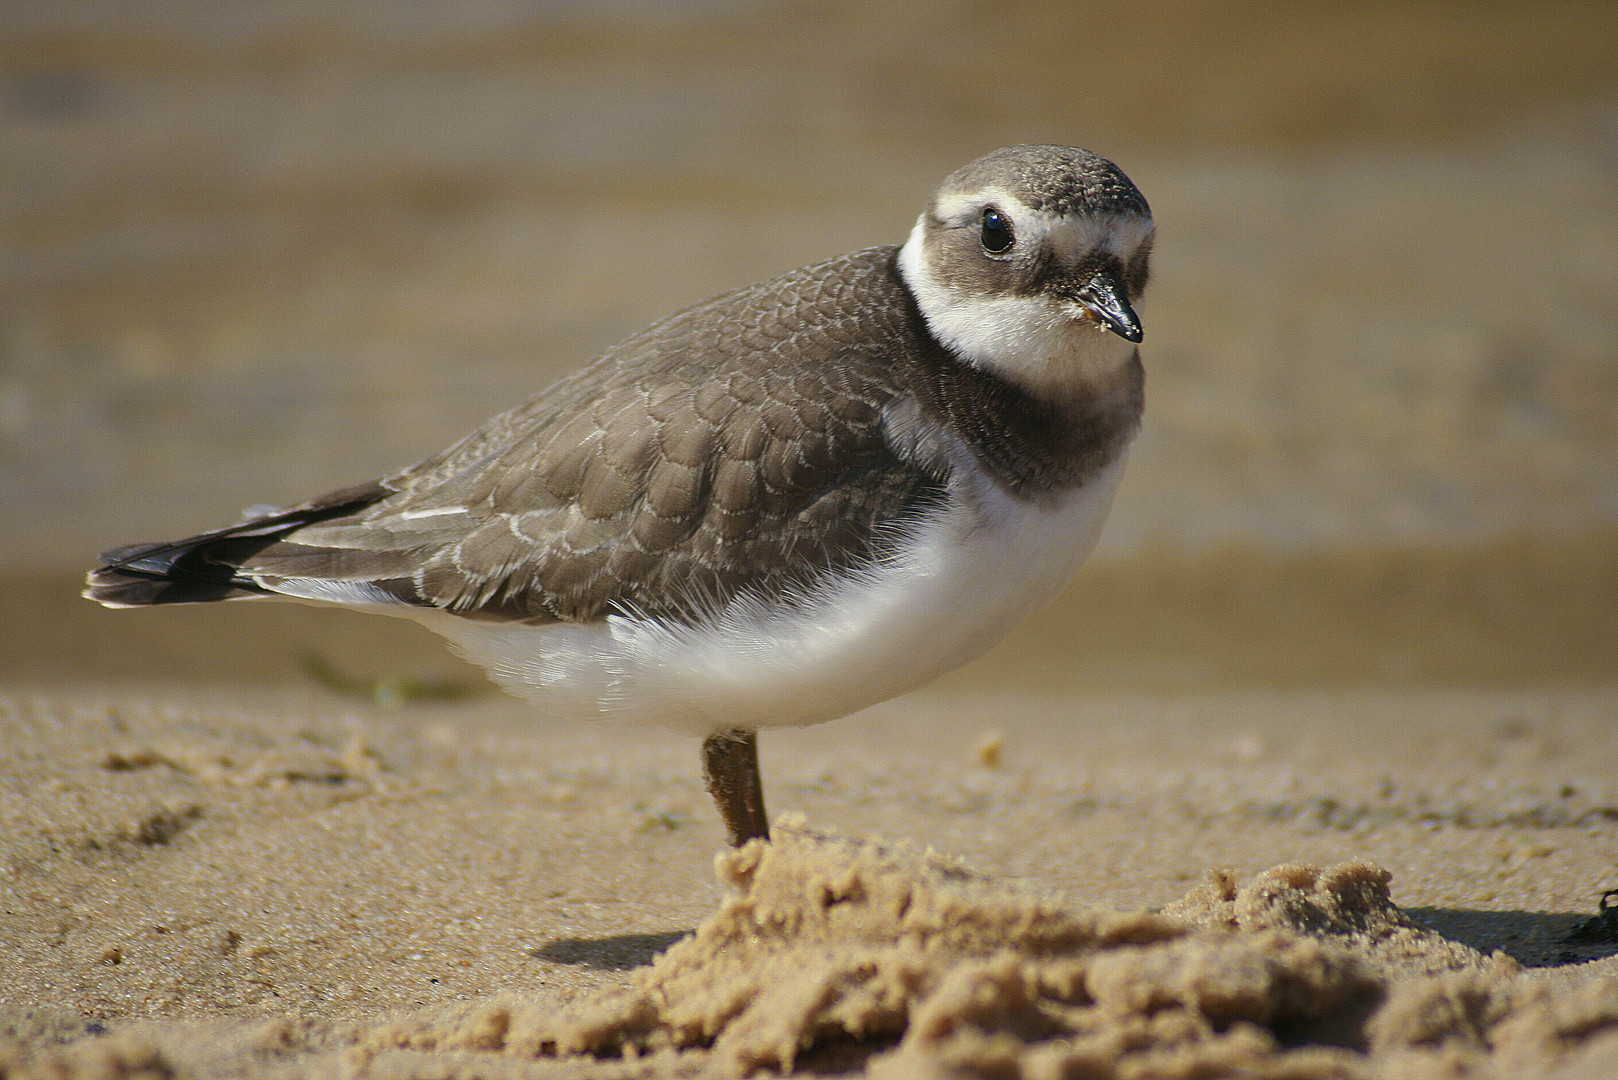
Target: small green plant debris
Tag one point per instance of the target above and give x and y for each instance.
(392, 691)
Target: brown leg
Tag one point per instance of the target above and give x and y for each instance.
(730, 766)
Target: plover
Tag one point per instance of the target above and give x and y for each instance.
(774, 508)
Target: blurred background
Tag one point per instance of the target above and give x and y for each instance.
(252, 251)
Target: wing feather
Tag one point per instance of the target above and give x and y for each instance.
(736, 447)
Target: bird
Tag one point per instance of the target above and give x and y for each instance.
(774, 508)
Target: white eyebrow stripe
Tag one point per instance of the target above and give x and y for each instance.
(1070, 237)
(957, 208)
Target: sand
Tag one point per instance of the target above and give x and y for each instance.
(1387, 883)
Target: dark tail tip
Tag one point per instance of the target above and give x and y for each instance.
(208, 566)
(140, 575)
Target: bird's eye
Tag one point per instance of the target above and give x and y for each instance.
(997, 235)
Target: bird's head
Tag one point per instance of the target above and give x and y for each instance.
(1030, 262)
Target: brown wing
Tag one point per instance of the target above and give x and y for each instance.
(736, 446)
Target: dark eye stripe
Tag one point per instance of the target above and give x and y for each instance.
(996, 230)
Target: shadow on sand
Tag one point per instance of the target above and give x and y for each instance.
(617, 953)
(1532, 938)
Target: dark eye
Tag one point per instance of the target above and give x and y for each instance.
(997, 235)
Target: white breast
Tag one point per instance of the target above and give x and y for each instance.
(964, 578)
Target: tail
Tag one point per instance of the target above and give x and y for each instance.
(203, 568)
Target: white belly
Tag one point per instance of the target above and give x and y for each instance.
(968, 576)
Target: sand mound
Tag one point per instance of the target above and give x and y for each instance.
(836, 955)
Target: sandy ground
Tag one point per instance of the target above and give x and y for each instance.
(287, 884)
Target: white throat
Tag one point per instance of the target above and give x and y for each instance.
(1041, 343)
